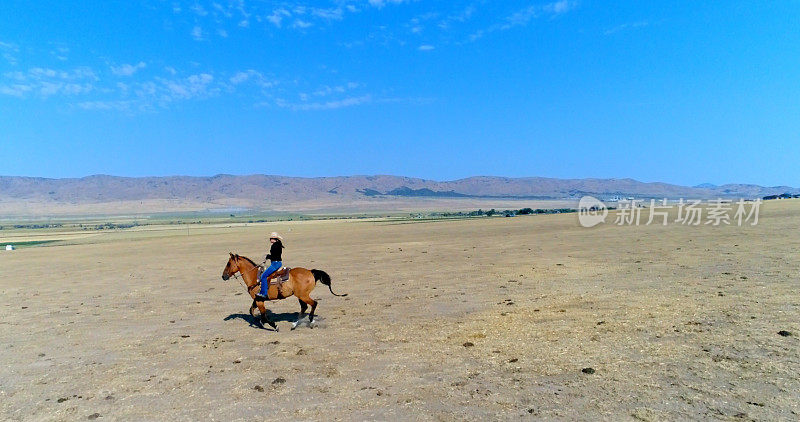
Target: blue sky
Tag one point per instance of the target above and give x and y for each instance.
(676, 91)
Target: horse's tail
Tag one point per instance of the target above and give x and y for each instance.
(325, 279)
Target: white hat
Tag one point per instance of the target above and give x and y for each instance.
(275, 235)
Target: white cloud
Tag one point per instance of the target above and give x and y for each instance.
(477, 35)
(277, 16)
(299, 23)
(381, 3)
(199, 10)
(159, 92)
(47, 82)
(146, 90)
(193, 86)
(626, 26)
(9, 52)
(521, 17)
(127, 69)
(426, 47)
(47, 89)
(222, 33)
(50, 88)
(90, 92)
(75, 89)
(253, 76)
(328, 14)
(241, 77)
(221, 10)
(329, 105)
(61, 53)
(145, 86)
(105, 105)
(197, 33)
(40, 74)
(16, 90)
(560, 7)
(460, 17)
(327, 90)
(524, 16)
(294, 14)
(240, 7)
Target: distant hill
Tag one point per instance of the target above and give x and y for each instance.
(259, 191)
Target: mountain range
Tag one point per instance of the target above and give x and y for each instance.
(259, 191)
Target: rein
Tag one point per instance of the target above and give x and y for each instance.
(249, 289)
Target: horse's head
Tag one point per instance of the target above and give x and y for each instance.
(232, 267)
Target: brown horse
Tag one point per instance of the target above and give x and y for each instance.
(300, 283)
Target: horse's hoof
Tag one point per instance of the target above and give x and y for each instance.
(294, 324)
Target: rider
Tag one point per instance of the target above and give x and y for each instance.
(274, 255)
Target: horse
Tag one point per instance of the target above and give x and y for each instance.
(301, 281)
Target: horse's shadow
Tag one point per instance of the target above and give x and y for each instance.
(256, 322)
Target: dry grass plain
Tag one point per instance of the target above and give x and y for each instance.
(677, 322)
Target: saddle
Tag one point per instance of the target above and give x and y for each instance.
(275, 287)
(279, 277)
(275, 274)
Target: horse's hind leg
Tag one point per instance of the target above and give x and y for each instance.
(303, 307)
(313, 304)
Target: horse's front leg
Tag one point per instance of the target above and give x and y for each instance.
(253, 308)
(264, 317)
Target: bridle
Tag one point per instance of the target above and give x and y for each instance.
(239, 270)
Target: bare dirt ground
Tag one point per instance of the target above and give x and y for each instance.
(487, 319)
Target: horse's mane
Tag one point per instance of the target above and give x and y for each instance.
(248, 260)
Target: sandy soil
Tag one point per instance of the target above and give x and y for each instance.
(489, 319)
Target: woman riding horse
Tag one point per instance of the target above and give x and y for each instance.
(300, 284)
(274, 256)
